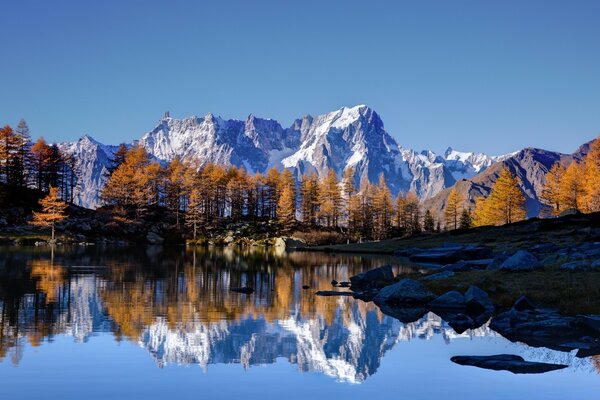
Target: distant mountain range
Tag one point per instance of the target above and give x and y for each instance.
(349, 137)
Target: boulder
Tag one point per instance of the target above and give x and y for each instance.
(452, 300)
(407, 291)
(439, 275)
(289, 243)
(377, 277)
(575, 266)
(596, 264)
(523, 303)
(507, 362)
(522, 260)
(477, 300)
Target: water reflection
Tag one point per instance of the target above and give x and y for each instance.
(175, 303)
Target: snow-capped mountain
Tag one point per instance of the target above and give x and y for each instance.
(349, 137)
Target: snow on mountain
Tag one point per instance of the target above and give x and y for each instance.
(349, 137)
(92, 161)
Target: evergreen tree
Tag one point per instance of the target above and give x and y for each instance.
(465, 219)
(53, 210)
(428, 222)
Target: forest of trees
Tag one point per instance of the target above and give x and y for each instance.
(24, 164)
(203, 197)
(576, 186)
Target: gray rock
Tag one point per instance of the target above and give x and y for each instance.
(477, 299)
(439, 275)
(407, 291)
(373, 278)
(575, 266)
(523, 303)
(452, 300)
(497, 262)
(522, 260)
(507, 362)
(596, 264)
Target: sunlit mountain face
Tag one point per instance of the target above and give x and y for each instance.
(176, 305)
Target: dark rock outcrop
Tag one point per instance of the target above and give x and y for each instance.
(507, 362)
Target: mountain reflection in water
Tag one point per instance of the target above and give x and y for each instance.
(176, 304)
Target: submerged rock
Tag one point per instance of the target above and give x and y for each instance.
(404, 314)
(373, 278)
(522, 260)
(507, 362)
(333, 293)
(407, 291)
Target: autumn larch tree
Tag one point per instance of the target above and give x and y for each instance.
(505, 204)
(571, 187)
(286, 205)
(591, 176)
(53, 211)
(452, 210)
(330, 199)
(551, 194)
(309, 206)
(383, 209)
(41, 156)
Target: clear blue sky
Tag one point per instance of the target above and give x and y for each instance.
(491, 76)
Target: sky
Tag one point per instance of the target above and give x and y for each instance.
(486, 76)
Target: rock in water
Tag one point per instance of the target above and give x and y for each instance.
(373, 278)
(477, 300)
(507, 362)
(245, 290)
(451, 300)
(333, 293)
(522, 260)
(407, 291)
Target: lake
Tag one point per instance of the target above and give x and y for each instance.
(108, 322)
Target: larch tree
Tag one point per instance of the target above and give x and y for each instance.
(505, 204)
(383, 209)
(23, 146)
(452, 210)
(53, 211)
(8, 150)
(551, 194)
(286, 205)
(330, 199)
(591, 178)
(41, 159)
(309, 205)
(571, 187)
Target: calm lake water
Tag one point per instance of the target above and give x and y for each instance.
(111, 323)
